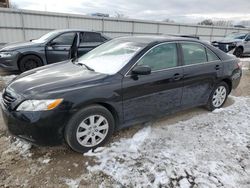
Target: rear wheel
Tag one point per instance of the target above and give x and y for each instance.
(29, 62)
(89, 128)
(238, 52)
(218, 96)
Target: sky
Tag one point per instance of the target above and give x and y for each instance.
(182, 11)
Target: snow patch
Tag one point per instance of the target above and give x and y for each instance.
(7, 79)
(208, 150)
(20, 146)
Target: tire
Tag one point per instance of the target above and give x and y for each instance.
(29, 62)
(238, 52)
(221, 99)
(80, 133)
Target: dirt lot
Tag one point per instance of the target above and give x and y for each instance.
(23, 165)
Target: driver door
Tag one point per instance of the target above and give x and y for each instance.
(156, 94)
(59, 48)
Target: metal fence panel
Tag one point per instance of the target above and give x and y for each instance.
(18, 25)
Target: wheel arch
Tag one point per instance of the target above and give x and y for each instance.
(240, 46)
(229, 83)
(104, 104)
(28, 54)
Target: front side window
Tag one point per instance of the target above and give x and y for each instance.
(65, 39)
(193, 53)
(160, 57)
(111, 56)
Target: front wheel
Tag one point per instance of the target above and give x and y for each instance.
(89, 128)
(218, 96)
(238, 52)
(29, 62)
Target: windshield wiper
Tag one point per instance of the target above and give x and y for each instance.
(89, 68)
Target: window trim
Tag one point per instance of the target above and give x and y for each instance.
(178, 58)
(75, 32)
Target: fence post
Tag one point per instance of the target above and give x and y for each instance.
(22, 24)
(133, 28)
(211, 34)
(158, 29)
(68, 20)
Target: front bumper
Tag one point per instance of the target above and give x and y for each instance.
(9, 63)
(41, 128)
(225, 47)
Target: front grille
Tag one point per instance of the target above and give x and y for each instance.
(8, 99)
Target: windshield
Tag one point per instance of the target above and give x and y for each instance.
(236, 36)
(110, 57)
(45, 37)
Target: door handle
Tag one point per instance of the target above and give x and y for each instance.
(217, 67)
(177, 76)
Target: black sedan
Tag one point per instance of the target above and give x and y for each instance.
(55, 46)
(123, 82)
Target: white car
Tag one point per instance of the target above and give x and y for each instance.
(237, 44)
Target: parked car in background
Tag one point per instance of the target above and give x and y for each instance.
(126, 81)
(55, 46)
(235, 43)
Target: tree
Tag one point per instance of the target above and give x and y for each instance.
(206, 22)
(13, 5)
(168, 20)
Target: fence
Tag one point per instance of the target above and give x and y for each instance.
(19, 25)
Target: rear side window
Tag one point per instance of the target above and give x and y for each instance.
(160, 57)
(211, 56)
(193, 53)
(91, 37)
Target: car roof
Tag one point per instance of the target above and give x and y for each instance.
(147, 39)
(74, 30)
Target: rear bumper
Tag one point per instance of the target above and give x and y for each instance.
(236, 77)
(41, 128)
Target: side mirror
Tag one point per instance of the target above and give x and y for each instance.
(141, 70)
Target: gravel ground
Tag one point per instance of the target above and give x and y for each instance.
(193, 148)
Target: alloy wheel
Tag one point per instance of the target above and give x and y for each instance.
(92, 130)
(219, 96)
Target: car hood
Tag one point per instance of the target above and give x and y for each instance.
(18, 45)
(55, 78)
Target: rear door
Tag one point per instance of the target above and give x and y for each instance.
(147, 96)
(202, 68)
(59, 48)
(89, 41)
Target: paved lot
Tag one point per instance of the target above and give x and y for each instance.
(193, 148)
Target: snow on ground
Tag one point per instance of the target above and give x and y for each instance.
(245, 63)
(7, 79)
(208, 150)
(20, 147)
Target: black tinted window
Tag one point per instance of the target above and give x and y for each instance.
(211, 56)
(193, 53)
(91, 37)
(160, 57)
(65, 39)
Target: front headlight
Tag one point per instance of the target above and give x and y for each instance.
(6, 54)
(39, 105)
